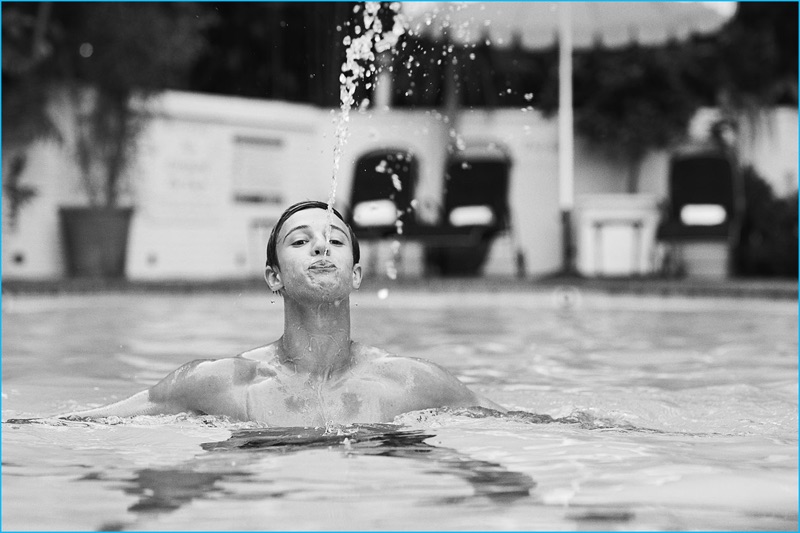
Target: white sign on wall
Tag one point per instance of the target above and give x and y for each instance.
(185, 180)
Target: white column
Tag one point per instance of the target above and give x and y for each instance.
(382, 95)
(565, 119)
(566, 169)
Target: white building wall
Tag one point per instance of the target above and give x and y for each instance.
(188, 224)
(32, 248)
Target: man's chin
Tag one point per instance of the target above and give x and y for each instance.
(324, 289)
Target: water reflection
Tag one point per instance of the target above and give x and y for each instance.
(240, 459)
(237, 460)
(169, 489)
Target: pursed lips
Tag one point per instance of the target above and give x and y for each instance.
(322, 265)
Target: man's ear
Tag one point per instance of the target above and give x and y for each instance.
(273, 277)
(356, 276)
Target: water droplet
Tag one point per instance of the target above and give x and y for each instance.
(383, 294)
(391, 270)
(86, 50)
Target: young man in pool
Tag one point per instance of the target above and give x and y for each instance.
(314, 374)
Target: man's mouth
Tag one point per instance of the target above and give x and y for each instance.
(322, 265)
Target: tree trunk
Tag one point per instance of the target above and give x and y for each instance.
(83, 143)
(115, 164)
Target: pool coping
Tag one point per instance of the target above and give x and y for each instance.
(782, 289)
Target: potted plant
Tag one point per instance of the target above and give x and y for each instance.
(98, 58)
(110, 54)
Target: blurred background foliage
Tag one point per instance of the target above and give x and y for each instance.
(98, 55)
(293, 51)
(626, 100)
(768, 244)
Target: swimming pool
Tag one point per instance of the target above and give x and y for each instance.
(630, 413)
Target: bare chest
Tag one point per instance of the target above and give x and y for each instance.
(293, 403)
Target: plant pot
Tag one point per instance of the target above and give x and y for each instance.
(95, 240)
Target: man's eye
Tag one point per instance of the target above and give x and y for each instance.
(299, 242)
(336, 242)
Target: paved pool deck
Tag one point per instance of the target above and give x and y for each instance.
(782, 289)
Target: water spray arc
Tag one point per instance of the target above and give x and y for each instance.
(370, 38)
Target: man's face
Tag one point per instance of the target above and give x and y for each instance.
(306, 271)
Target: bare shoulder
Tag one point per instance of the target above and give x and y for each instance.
(379, 359)
(264, 354)
(208, 376)
(210, 386)
(426, 381)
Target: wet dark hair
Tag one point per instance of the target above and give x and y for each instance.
(272, 254)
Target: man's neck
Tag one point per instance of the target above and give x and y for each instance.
(316, 338)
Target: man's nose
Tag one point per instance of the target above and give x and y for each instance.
(319, 246)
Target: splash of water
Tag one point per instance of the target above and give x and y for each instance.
(370, 39)
(213, 421)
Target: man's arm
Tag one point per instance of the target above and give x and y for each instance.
(203, 386)
(483, 401)
(138, 404)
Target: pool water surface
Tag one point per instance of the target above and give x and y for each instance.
(627, 413)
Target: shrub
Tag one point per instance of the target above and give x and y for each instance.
(768, 244)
